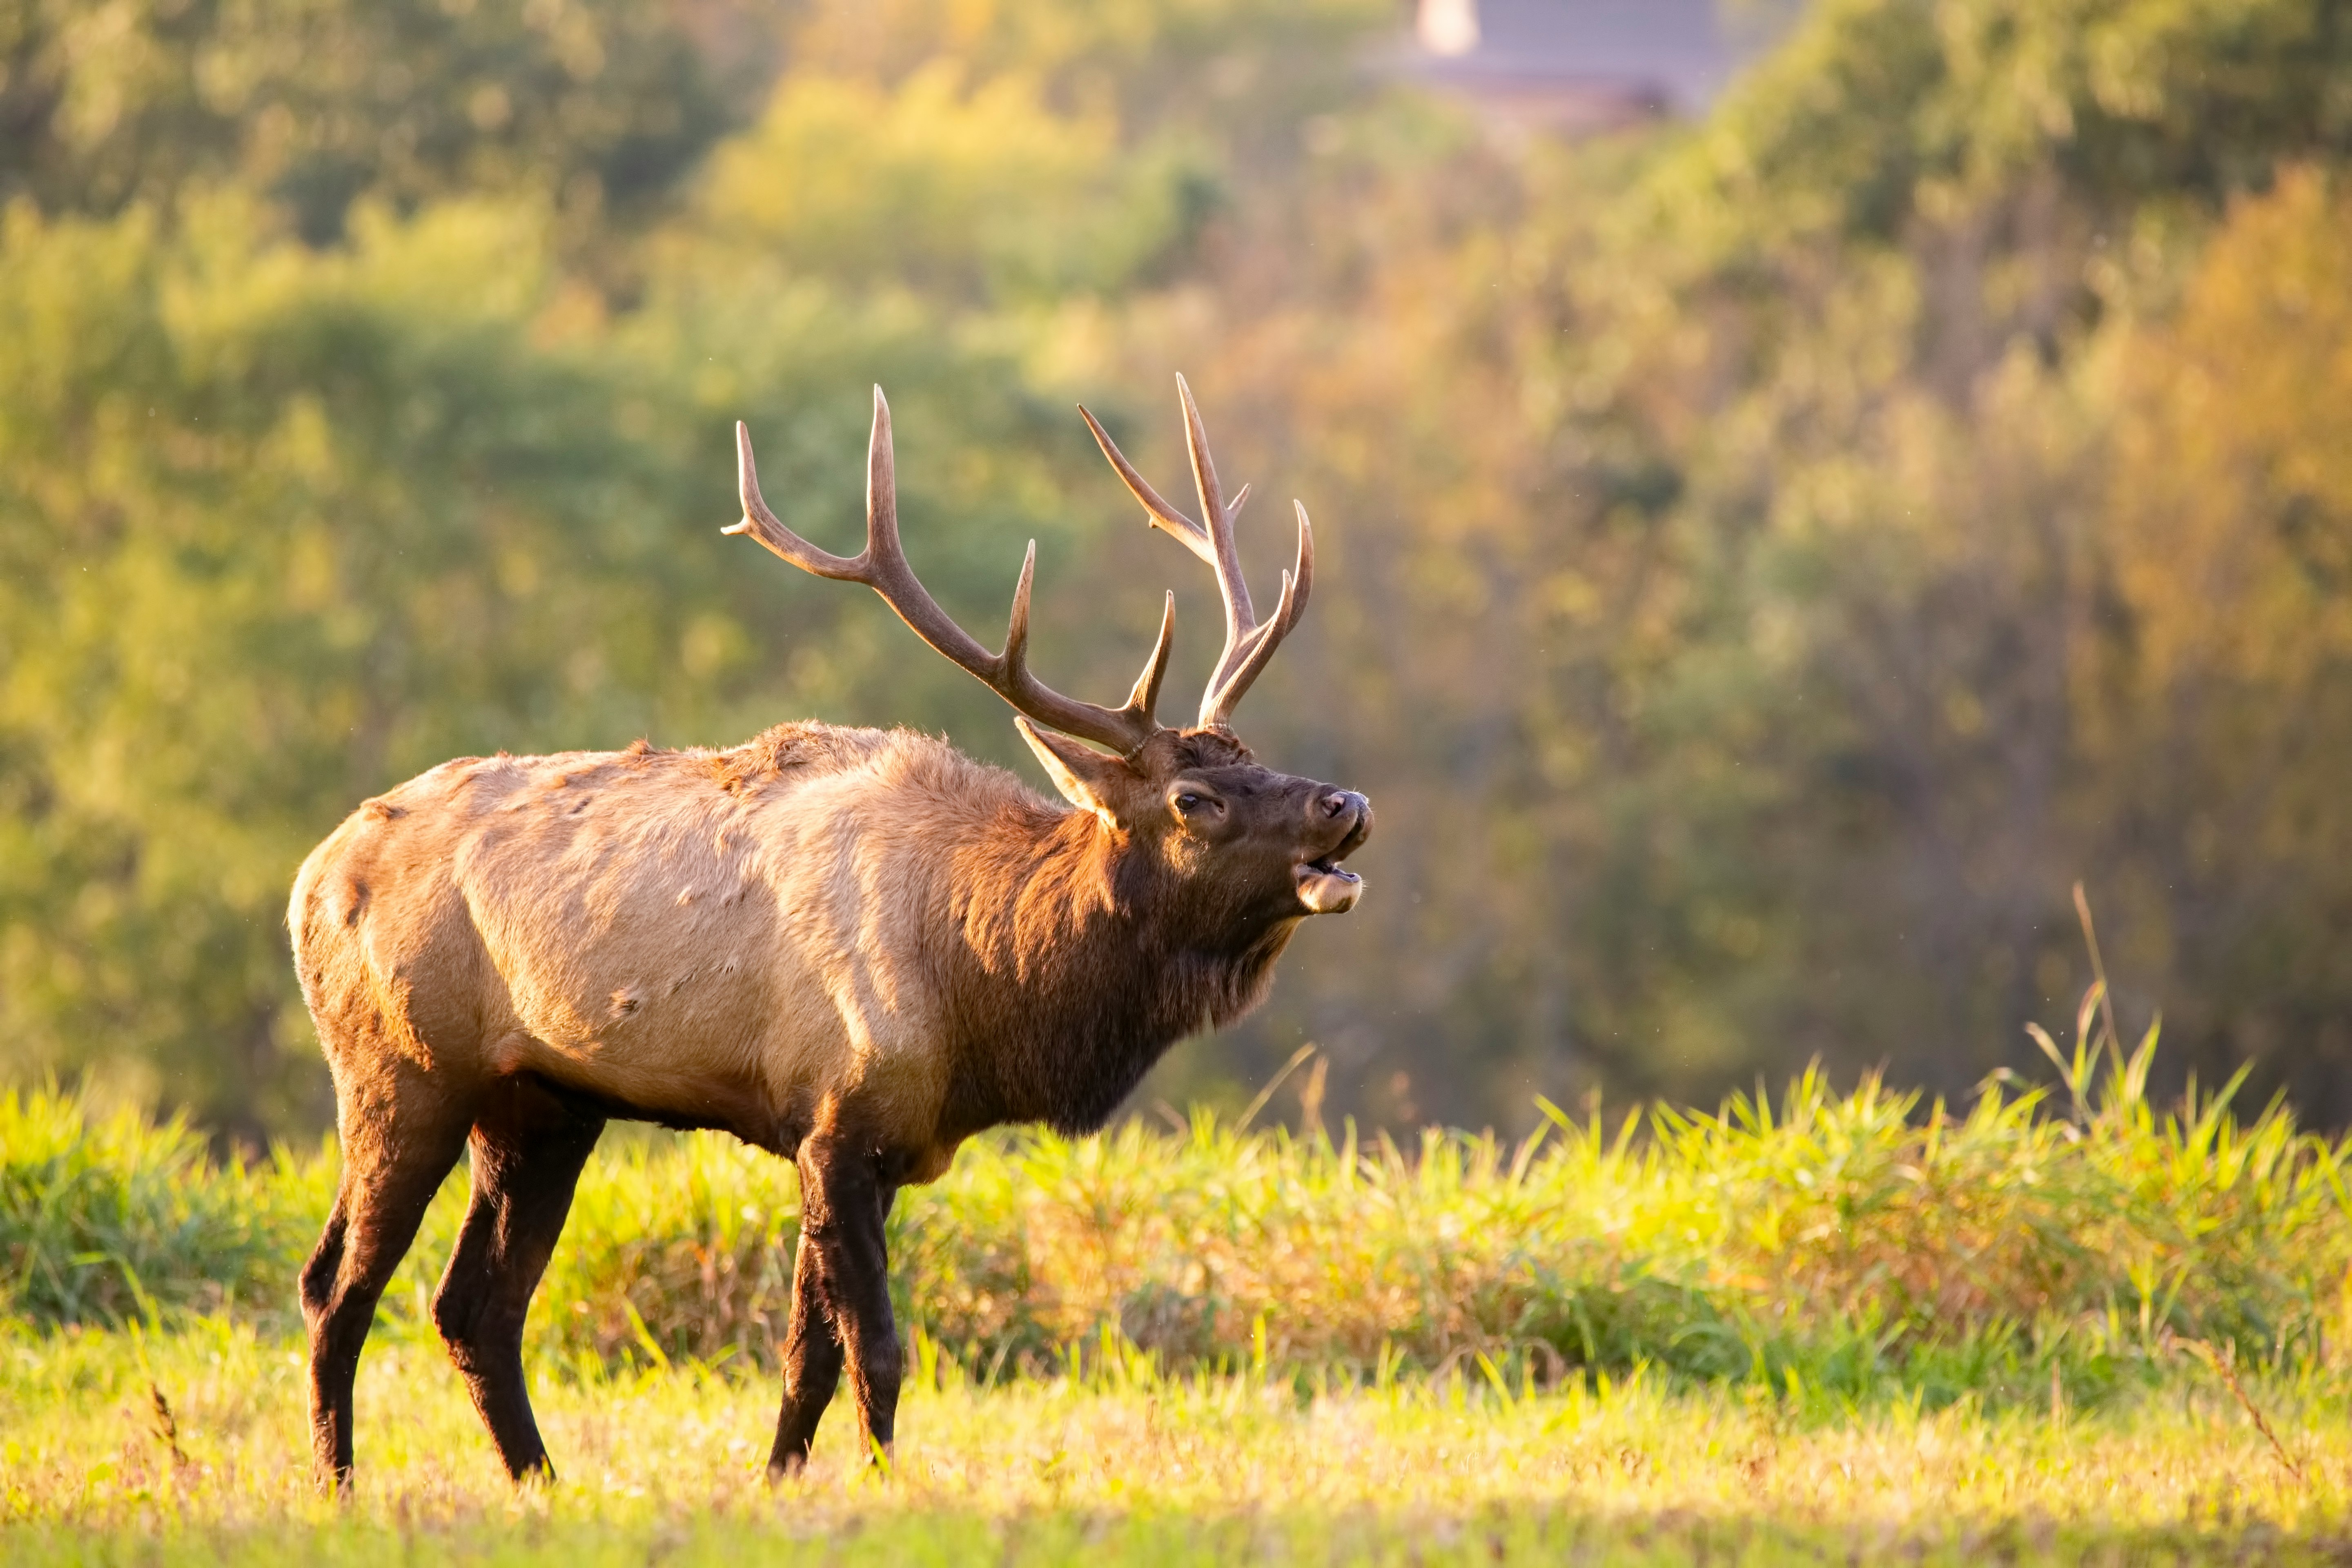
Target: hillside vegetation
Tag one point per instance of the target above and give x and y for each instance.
(1764, 561)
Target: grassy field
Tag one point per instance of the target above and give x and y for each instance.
(2066, 1328)
(1122, 1465)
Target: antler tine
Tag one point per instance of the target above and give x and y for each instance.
(1159, 512)
(1248, 644)
(1016, 627)
(1146, 695)
(762, 524)
(1241, 618)
(883, 567)
(1224, 694)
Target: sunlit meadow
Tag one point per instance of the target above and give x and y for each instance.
(2045, 1328)
(1119, 1464)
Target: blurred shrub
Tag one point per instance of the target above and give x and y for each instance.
(110, 1219)
(1846, 1237)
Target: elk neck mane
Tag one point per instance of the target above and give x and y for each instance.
(1090, 958)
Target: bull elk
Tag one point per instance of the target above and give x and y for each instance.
(855, 948)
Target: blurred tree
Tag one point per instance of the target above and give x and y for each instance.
(1763, 563)
(277, 525)
(1732, 514)
(2224, 706)
(1242, 70)
(599, 106)
(962, 192)
(1858, 327)
(281, 529)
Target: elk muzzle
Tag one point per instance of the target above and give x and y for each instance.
(1325, 887)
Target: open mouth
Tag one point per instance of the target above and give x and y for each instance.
(1326, 886)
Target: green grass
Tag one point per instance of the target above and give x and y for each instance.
(1853, 1246)
(1837, 1324)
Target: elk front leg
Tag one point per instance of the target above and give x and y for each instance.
(812, 1361)
(841, 1304)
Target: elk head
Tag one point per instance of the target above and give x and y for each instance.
(1259, 844)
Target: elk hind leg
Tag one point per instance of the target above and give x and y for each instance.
(393, 1161)
(528, 1145)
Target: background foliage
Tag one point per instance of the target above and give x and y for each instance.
(1767, 560)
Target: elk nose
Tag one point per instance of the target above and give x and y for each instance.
(1339, 803)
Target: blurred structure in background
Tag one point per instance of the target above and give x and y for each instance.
(1576, 66)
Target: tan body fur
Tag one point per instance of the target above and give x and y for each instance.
(743, 940)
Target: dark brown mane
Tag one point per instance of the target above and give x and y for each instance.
(1087, 962)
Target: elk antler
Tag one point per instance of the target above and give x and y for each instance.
(1249, 644)
(883, 568)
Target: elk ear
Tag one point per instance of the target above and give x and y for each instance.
(1087, 778)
